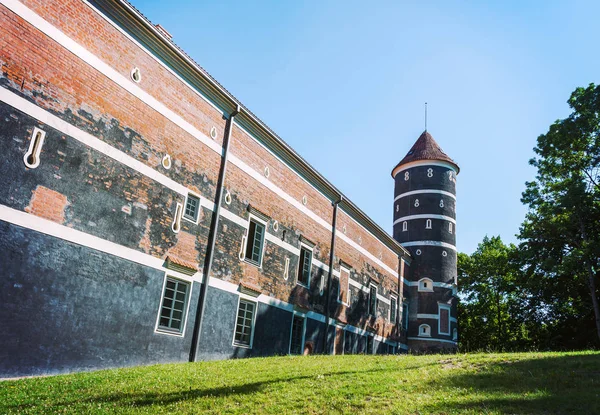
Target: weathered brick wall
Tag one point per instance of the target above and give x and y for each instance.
(98, 195)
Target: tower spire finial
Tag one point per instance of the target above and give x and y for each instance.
(425, 116)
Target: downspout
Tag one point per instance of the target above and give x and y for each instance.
(329, 280)
(212, 238)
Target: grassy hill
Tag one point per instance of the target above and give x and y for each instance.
(476, 383)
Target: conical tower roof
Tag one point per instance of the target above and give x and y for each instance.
(426, 148)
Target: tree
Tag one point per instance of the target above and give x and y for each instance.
(491, 308)
(561, 232)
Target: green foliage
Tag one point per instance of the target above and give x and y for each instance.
(561, 233)
(491, 312)
(524, 383)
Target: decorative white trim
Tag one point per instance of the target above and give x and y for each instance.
(427, 316)
(228, 198)
(427, 330)
(136, 75)
(47, 227)
(213, 132)
(425, 216)
(421, 284)
(35, 148)
(418, 163)
(196, 195)
(429, 243)
(166, 161)
(176, 226)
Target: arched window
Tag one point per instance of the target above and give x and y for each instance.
(425, 284)
(404, 226)
(424, 330)
(428, 224)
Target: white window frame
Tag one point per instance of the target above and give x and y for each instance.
(196, 195)
(422, 287)
(428, 224)
(427, 331)
(404, 226)
(308, 248)
(393, 299)
(374, 314)
(237, 310)
(245, 241)
(450, 227)
(440, 308)
(157, 328)
(303, 316)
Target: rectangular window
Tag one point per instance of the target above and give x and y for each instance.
(305, 266)
(373, 300)
(244, 324)
(405, 316)
(192, 208)
(173, 306)
(369, 345)
(444, 319)
(393, 309)
(254, 244)
(297, 336)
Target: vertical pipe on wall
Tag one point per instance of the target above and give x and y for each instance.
(329, 280)
(212, 237)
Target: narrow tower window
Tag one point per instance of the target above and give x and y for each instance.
(450, 227)
(428, 224)
(424, 330)
(32, 157)
(404, 226)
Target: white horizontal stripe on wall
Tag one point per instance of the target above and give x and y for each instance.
(435, 284)
(430, 243)
(47, 227)
(62, 39)
(422, 163)
(424, 216)
(425, 339)
(424, 191)
(428, 316)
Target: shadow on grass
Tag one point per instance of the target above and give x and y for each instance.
(549, 385)
(158, 398)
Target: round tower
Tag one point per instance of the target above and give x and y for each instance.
(425, 224)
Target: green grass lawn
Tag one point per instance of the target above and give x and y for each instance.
(518, 383)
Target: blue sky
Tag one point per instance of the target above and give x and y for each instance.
(344, 82)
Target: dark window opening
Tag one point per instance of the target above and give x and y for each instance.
(254, 246)
(304, 268)
(296, 340)
(192, 207)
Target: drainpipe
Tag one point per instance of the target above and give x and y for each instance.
(212, 237)
(330, 279)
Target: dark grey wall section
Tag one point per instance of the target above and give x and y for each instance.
(431, 203)
(69, 308)
(315, 331)
(272, 331)
(419, 180)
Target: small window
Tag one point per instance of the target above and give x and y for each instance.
(425, 284)
(254, 244)
(450, 227)
(344, 286)
(393, 309)
(244, 326)
(404, 226)
(192, 208)
(297, 335)
(304, 266)
(173, 306)
(373, 300)
(405, 316)
(369, 345)
(428, 224)
(322, 285)
(424, 330)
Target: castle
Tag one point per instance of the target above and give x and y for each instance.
(147, 216)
